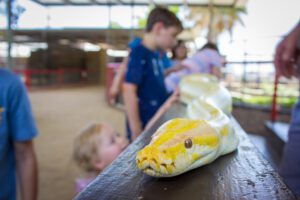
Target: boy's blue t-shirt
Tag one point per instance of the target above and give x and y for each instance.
(16, 125)
(145, 70)
(163, 57)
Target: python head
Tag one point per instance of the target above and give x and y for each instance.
(177, 146)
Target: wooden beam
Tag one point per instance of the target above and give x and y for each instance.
(132, 4)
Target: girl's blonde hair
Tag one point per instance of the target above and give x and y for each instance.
(85, 146)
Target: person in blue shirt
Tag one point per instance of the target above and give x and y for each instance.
(287, 64)
(144, 90)
(17, 130)
(116, 86)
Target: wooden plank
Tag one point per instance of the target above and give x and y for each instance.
(243, 174)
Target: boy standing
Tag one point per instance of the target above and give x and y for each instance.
(144, 88)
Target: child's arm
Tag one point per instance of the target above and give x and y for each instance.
(118, 79)
(132, 109)
(174, 68)
(26, 169)
(168, 103)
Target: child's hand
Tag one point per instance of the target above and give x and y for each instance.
(180, 67)
(286, 55)
(174, 69)
(177, 68)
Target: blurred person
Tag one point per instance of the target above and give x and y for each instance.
(144, 90)
(118, 80)
(179, 53)
(168, 66)
(287, 64)
(207, 60)
(95, 148)
(17, 130)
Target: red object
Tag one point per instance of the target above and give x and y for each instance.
(27, 79)
(60, 76)
(59, 73)
(274, 103)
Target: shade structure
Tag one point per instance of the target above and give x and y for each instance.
(221, 3)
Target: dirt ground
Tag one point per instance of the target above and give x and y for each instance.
(60, 114)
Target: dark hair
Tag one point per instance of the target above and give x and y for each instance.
(178, 44)
(160, 14)
(210, 45)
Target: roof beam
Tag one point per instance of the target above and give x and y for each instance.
(133, 3)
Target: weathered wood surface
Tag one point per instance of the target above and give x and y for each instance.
(243, 174)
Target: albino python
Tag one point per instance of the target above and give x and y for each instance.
(204, 134)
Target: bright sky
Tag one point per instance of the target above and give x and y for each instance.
(265, 22)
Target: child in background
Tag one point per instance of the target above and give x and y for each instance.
(94, 149)
(144, 90)
(179, 53)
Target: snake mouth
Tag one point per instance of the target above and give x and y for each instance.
(158, 170)
(148, 166)
(154, 163)
(149, 170)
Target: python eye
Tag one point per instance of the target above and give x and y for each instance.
(188, 143)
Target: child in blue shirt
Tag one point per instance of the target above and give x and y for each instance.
(17, 130)
(144, 89)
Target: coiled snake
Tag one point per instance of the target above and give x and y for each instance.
(204, 134)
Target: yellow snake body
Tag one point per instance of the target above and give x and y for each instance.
(182, 144)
